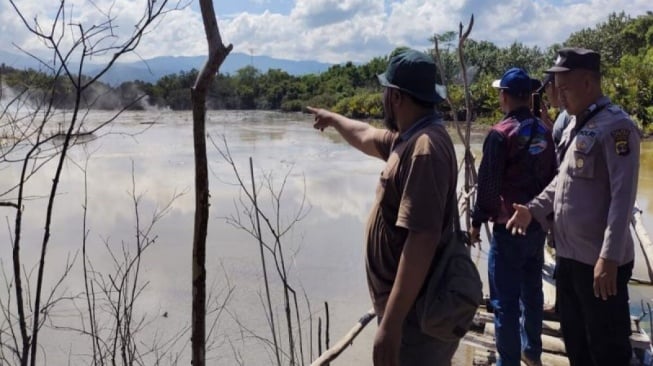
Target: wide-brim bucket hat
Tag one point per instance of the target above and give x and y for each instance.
(413, 72)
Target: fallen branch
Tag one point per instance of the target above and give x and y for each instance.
(333, 352)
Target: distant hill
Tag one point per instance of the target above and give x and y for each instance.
(153, 69)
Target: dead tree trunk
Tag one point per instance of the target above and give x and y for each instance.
(217, 53)
(470, 169)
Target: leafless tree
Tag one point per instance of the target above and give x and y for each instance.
(107, 308)
(468, 163)
(217, 53)
(269, 229)
(43, 135)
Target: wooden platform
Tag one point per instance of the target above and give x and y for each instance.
(481, 336)
(478, 346)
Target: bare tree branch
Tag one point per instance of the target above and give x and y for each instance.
(217, 53)
(66, 39)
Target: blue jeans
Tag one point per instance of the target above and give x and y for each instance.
(515, 274)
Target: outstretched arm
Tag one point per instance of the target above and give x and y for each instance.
(358, 134)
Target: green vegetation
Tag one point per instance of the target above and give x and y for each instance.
(626, 47)
(625, 44)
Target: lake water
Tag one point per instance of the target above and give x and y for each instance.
(324, 250)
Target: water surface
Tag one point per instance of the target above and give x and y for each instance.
(324, 250)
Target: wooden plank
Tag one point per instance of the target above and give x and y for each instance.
(640, 340)
(550, 359)
(549, 327)
(548, 282)
(482, 341)
(486, 352)
(484, 358)
(549, 344)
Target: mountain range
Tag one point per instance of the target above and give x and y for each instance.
(153, 69)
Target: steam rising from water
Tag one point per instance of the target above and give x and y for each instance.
(97, 96)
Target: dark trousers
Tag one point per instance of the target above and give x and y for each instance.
(595, 332)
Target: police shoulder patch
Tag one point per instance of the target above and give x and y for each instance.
(620, 137)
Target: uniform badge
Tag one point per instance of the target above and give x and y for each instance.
(621, 145)
(584, 143)
(591, 125)
(580, 163)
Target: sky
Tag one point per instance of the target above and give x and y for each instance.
(333, 31)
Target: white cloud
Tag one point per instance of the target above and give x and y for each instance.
(319, 13)
(345, 29)
(333, 30)
(12, 28)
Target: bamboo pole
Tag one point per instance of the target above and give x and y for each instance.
(470, 169)
(549, 344)
(643, 238)
(333, 352)
(548, 282)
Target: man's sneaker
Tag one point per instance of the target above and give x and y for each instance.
(529, 362)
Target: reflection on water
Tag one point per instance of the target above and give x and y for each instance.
(325, 249)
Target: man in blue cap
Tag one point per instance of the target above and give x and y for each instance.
(518, 162)
(591, 199)
(414, 200)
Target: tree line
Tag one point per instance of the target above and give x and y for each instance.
(625, 44)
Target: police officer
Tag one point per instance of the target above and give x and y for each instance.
(562, 119)
(592, 199)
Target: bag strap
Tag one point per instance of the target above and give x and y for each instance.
(448, 235)
(462, 236)
(444, 248)
(456, 215)
(579, 126)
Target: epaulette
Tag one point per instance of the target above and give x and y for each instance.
(614, 109)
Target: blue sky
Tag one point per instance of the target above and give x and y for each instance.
(329, 30)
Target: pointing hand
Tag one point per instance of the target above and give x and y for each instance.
(323, 118)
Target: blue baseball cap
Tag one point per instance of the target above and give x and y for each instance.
(413, 72)
(515, 82)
